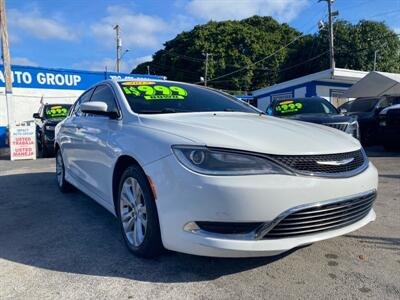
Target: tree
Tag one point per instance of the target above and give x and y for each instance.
(233, 44)
(355, 46)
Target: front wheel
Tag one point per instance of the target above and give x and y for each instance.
(63, 185)
(137, 213)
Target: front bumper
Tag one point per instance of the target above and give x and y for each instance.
(184, 197)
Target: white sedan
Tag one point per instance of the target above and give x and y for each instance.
(195, 170)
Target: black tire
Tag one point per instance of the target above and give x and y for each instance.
(44, 152)
(63, 185)
(151, 245)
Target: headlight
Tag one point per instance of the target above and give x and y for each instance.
(353, 129)
(49, 127)
(210, 161)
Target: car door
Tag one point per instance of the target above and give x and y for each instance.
(96, 158)
(72, 139)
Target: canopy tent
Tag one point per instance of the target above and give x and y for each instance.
(375, 84)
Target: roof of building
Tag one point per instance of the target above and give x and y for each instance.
(375, 84)
(336, 75)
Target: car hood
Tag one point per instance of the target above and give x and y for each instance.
(323, 118)
(252, 132)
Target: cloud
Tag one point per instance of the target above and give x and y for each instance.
(34, 23)
(397, 30)
(137, 30)
(23, 61)
(109, 63)
(217, 10)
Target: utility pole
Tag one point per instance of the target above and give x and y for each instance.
(148, 70)
(6, 61)
(119, 46)
(206, 69)
(375, 55)
(331, 14)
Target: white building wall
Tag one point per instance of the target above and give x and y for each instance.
(27, 100)
(325, 91)
(300, 92)
(262, 103)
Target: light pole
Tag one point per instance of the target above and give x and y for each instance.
(119, 46)
(331, 14)
(207, 55)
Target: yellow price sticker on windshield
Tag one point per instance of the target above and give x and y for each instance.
(138, 83)
(288, 107)
(157, 92)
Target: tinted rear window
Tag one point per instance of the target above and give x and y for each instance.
(56, 111)
(363, 105)
(148, 97)
(303, 106)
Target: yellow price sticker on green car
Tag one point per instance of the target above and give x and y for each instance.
(288, 107)
(156, 92)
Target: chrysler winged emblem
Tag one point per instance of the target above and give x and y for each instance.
(336, 162)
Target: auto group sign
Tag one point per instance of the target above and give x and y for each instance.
(48, 78)
(23, 141)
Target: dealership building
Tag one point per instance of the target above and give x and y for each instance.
(35, 85)
(329, 84)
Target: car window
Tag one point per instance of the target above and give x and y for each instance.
(303, 106)
(56, 111)
(82, 99)
(104, 93)
(363, 105)
(149, 97)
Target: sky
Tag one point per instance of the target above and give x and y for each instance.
(78, 34)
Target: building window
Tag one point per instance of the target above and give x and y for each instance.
(283, 96)
(336, 97)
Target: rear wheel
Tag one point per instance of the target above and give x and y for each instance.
(63, 185)
(137, 213)
(44, 152)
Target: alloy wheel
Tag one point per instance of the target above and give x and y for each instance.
(133, 211)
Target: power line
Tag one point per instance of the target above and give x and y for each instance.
(265, 58)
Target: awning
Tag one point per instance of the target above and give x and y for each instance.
(375, 84)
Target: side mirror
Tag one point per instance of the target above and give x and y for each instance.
(98, 108)
(36, 116)
(343, 111)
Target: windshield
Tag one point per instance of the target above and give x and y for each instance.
(56, 111)
(303, 106)
(363, 105)
(149, 97)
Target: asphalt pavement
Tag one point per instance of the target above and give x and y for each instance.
(65, 246)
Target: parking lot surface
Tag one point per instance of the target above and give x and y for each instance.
(55, 245)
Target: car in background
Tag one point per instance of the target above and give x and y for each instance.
(367, 112)
(389, 124)
(198, 171)
(46, 119)
(314, 110)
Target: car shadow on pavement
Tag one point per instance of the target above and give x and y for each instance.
(41, 227)
(389, 243)
(378, 151)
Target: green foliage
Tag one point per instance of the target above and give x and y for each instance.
(355, 45)
(235, 44)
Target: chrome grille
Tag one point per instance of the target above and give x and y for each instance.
(339, 126)
(324, 164)
(322, 217)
